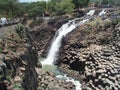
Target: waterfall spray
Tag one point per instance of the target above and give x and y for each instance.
(63, 31)
(54, 49)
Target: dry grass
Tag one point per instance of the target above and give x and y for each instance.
(96, 21)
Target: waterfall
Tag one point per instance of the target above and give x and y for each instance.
(63, 31)
(102, 12)
(54, 49)
(57, 43)
(91, 12)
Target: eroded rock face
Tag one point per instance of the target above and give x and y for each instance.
(43, 35)
(92, 55)
(19, 59)
(21, 66)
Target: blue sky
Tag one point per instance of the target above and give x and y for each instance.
(31, 0)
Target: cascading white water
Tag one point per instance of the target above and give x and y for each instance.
(102, 12)
(57, 43)
(91, 12)
(63, 31)
(69, 79)
(54, 49)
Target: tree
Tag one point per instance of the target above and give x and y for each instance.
(104, 1)
(60, 7)
(97, 2)
(107, 1)
(36, 8)
(80, 3)
(9, 7)
(51, 6)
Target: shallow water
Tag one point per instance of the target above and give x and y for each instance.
(60, 75)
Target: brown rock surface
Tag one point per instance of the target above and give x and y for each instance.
(91, 54)
(18, 51)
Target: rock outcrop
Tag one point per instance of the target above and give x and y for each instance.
(92, 55)
(19, 66)
(43, 35)
(20, 57)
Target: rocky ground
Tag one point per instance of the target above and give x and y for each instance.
(19, 65)
(16, 52)
(91, 53)
(43, 34)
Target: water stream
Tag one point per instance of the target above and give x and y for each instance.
(48, 63)
(103, 12)
(60, 75)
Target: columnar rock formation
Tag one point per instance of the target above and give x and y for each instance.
(43, 35)
(19, 66)
(92, 55)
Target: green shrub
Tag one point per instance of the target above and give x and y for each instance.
(115, 21)
(8, 77)
(107, 24)
(17, 86)
(0, 50)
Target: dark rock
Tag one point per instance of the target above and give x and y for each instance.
(5, 51)
(97, 64)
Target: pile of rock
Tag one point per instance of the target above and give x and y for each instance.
(48, 81)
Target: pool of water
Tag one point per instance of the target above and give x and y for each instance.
(60, 75)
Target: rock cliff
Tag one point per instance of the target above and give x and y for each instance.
(20, 57)
(92, 55)
(44, 33)
(19, 65)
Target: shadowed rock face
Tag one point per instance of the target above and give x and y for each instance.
(22, 64)
(91, 54)
(43, 35)
(20, 58)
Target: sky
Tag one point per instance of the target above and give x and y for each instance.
(31, 0)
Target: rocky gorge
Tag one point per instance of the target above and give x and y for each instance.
(90, 54)
(19, 64)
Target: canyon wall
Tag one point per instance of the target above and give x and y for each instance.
(92, 55)
(19, 65)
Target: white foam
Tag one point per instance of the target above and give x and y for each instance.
(102, 12)
(69, 79)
